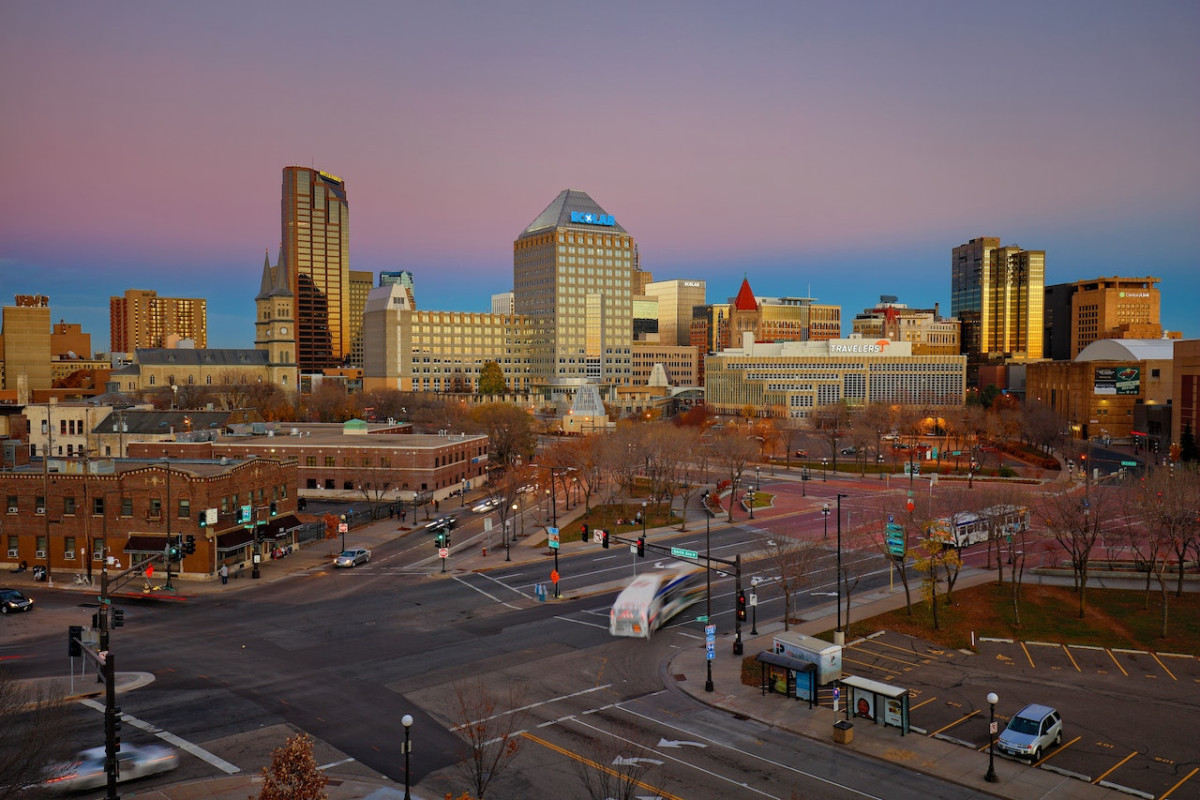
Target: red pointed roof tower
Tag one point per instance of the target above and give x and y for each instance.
(745, 298)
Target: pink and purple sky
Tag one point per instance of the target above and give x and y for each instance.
(833, 149)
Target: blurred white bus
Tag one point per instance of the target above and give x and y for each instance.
(650, 600)
(967, 527)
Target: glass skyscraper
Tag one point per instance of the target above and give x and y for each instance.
(316, 250)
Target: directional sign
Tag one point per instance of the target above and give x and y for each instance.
(679, 552)
(702, 618)
(709, 630)
(895, 539)
(1129, 463)
(710, 650)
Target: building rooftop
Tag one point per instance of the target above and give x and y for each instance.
(569, 201)
(1128, 350)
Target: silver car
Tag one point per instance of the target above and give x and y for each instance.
(87, 770)
(1030, 731)
(352, 558)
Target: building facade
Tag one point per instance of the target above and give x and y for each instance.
(1079, 313)
(316, 251)
(71, 516)
(926, 329)
(156, 371)
(793, 379)
(681, 365)
(142, 319)
(1186, 392)
(676, 300)
(573, 280)
(998, 294)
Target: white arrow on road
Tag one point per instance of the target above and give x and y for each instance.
(679, 743)
(620, 761)
(823, 594)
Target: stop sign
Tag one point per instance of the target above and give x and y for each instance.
(909, 505)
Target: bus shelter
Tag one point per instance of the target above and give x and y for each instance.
(883, 703)
(788, 676)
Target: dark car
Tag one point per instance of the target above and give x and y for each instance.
(11, 600)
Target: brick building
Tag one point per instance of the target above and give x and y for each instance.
(67, 515)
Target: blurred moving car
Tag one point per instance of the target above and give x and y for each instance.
(353, 557)
(801, 454)
(11, 600)
(849, 451)
(441, 523)
(1030, 731)
(487, 505)
(87, 770)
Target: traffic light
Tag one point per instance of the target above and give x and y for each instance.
(274, 508)
(604, 539)
(741, 606)
(641, 546)
(189, 545)
(173, 550)
(583, 532)
(202, 519)
(439, 540)
(74, 648)
(116, 727)
(804, 475)
(118, 617)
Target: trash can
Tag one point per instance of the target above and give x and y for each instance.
(843, 731)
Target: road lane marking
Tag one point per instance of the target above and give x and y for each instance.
(959, 721)
(491, 597)
(1114, 766)
(581, 622)
(1182, 781)
(597, 765)
(1164, 666)
(773, 763)
(1118, 663)
(1026, 649)
(196, 750)
(532, 705)
(1071, 658)
(1057, 750)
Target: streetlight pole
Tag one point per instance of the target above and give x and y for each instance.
(407, 722)
(708, 683)
(839, 636)
(824, 461)
(462, 497)
(990, 777)
(507, 557)
(825, 513)
(645, 513)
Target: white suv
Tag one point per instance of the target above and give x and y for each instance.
(1030, 731)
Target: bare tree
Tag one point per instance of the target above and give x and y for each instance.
(1165, 505)
(490, 730)
(832, 423)
(931, 559)
(794, 560)
(35, 732)
(1075, 519)
(293, 773)
(509, 430)
(732, 451)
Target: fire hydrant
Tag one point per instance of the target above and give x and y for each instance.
(485, 551)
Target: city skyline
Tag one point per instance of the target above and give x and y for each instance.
(837, 152)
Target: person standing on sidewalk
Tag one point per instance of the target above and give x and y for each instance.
(224, 573)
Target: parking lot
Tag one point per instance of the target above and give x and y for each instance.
(1128, 716)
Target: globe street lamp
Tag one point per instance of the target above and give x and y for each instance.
(824, 461)
(407, 722)
(645, 513)
(990, 777)
(825, 513)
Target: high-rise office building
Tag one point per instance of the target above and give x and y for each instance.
(1079, 313)
(142, 319)
(316, 249)
(676, 299)
(572, 277)
(998, 293)
(25, 346)
(360, 285)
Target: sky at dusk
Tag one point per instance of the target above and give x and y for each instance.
(837, 150)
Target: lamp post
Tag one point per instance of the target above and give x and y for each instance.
(407, 722)
(839, 636)
(462, 497)
(825, 513)
(990, 777)
(824, 461)
(343, 527)
(507, 557)
(708, 683)
(645, 513)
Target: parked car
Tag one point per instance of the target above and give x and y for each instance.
(353, 557)
(134, 761)
(801, 454)
(11, 600)
(1030, 731)
(849, 451)
(487, 505)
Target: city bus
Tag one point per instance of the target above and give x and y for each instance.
(650, 600)
(967, 527)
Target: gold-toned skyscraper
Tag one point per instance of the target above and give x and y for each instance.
(316, 250)
(998, 292)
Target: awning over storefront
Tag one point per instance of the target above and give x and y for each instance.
(146, 545)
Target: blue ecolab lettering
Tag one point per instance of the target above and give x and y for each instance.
(593, 219)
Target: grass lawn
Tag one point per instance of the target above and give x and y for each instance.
(1051, 614)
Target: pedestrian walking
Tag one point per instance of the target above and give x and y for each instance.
(224, 573)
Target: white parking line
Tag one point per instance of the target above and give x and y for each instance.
(166, 736)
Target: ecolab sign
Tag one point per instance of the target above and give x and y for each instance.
(588, 218)
(865, 348)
